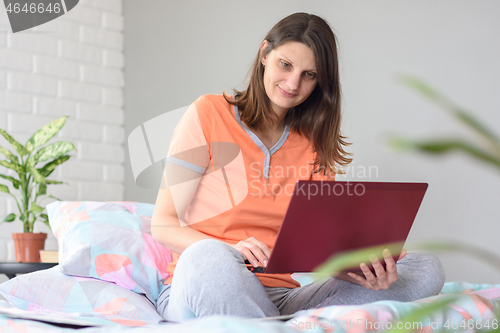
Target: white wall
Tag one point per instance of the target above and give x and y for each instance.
(70, 66)
(177, 51)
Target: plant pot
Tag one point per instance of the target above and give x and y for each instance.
(27, 246)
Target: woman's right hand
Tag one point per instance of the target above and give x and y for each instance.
(254, 251)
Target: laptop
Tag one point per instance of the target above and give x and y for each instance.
(325, 218)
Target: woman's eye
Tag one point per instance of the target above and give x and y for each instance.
(310, 75)
(285, 65)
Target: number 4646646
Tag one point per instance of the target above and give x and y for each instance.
(471, 324)
(33, 8)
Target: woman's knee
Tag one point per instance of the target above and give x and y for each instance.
(427, 272)
(207, 254)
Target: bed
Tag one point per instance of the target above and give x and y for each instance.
(111, 270)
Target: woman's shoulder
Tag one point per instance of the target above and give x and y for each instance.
(212, 100)
(210, 105)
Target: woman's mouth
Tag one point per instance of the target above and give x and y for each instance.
(286, 94)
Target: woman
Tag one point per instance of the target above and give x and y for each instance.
(232, 162)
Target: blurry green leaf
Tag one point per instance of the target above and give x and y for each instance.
(45, 133)
(23, 217)
(491, 258)
(51, 196)
(17, 146)
(45, 217)
(47, 169)
(42, 189)
(351, 259)
(421, 87)
(456, 111)
(9, 218)
(401, 144)
(49, 181)
(47, 224)
(443, 146)
(4, 189)
(37, 177)
(51, 151)
(11, 165)
(35, 209)
(7, 153)
(14, 181)
(416, 317)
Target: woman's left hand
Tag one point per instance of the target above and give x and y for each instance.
(382, 279)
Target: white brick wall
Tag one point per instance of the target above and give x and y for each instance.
(70, 66)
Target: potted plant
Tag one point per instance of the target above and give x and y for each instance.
(31, 183)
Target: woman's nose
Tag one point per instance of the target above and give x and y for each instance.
(293, 81)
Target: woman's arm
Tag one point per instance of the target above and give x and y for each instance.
(166, 227)
(168, 230)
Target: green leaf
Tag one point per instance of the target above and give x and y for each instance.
(348, 260)
(50, 181)
(14, 166)
(53, 197)
(42, 189)
(4, 188)
(23, 217)
(14, 181)
(35, 209)
(37, 177)
(456, 111)
(44, 217)
(416, 316)
(47, 224)
(9, 155)
(444, 146)
(51, 151)
(17, 146)
(45, 133)
(491, 258)
(9, 218)
(47, 169)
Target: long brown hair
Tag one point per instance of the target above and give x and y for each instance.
(318, 117)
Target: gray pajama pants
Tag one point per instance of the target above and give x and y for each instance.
(211, 278)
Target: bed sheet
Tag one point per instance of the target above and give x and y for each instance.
(474, 307)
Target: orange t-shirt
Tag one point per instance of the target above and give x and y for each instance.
(244, 188)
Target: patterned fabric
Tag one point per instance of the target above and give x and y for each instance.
(52, 292)
(474, 307)
(110, 241)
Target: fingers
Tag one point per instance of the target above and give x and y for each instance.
(263, 247)
(402, 255)
(254, 251)
(383, 277)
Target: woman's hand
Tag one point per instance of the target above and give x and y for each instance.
(254, 251)
(382, 279)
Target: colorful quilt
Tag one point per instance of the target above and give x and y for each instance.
(473, 309)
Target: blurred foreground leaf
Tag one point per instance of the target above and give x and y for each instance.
(486, 256)
(415, 318)
(351, 259)
(487, 150)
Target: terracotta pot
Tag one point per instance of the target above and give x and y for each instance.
(27, 246)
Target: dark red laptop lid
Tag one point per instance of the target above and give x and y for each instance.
(325, 218)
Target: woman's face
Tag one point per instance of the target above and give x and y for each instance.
(290, 75)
